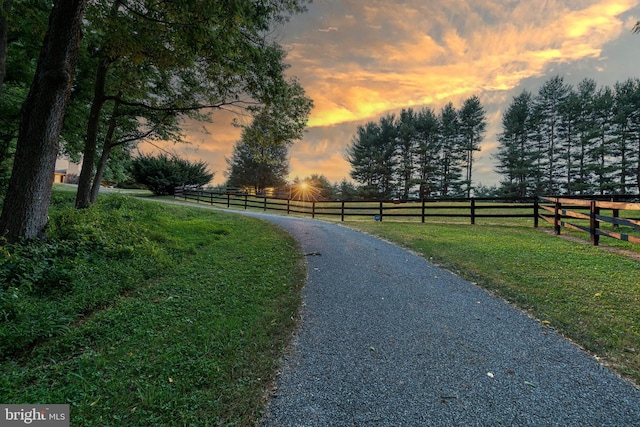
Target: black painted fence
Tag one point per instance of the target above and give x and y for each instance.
(586, 214)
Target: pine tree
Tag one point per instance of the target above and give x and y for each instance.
(406, 151)
(516, 155)
(361, 154)
(549, 105)
(372, 156)
(600, 154)
(585, 129)
(626, 145)
(451, 153)
(427, 151)
(386, 163)
(473, 125)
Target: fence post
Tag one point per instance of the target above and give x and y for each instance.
(211, 194)
(380, 210)
(423, 209)
(342, 211)
(313, 209)
(288, 206)
(594, 223)
(265, 203)
(473, 211)
(536, 212)
(228, 200)
(246, 197)
(556, 218)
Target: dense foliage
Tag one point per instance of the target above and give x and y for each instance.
(247, 168)
(162, 174)
(260, 159)
(46, 285)
(418, 154)
(572, 140)
(27, 24)
(143, 68)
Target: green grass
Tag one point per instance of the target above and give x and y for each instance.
(590, 295)
(157, 315)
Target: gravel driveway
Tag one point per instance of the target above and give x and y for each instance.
(388, 339)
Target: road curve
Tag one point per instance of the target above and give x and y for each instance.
(388, 339)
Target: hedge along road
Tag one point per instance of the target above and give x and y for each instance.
(388, 339)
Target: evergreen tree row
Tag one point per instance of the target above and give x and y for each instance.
(418, 154)
(571, 140)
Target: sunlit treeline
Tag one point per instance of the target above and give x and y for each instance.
(418, 153)
(571, 140)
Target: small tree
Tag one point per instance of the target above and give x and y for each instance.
(258, 167)
(163, 174)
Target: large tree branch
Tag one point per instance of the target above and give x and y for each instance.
(183, 109)
(134, 138)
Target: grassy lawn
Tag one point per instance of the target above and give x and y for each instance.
(143, 314)
(590, 295)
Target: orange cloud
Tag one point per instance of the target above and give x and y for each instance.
(433, 53)
(359, 60)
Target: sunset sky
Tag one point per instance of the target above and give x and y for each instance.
(359, 60)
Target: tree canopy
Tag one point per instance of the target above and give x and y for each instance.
(188, 58)
(143, 68)
(418, 154)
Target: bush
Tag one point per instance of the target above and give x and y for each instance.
(162, 174)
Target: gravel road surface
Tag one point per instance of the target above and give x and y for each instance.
(388, 339)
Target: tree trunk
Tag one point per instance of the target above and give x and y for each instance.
(100, 168)
(83, 197)
(106, 151)
(26, 204)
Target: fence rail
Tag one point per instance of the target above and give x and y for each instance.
(589, 216)
(573, 213)
(379, 210)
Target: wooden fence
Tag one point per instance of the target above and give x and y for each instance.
(472, 209)
(587, 216)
